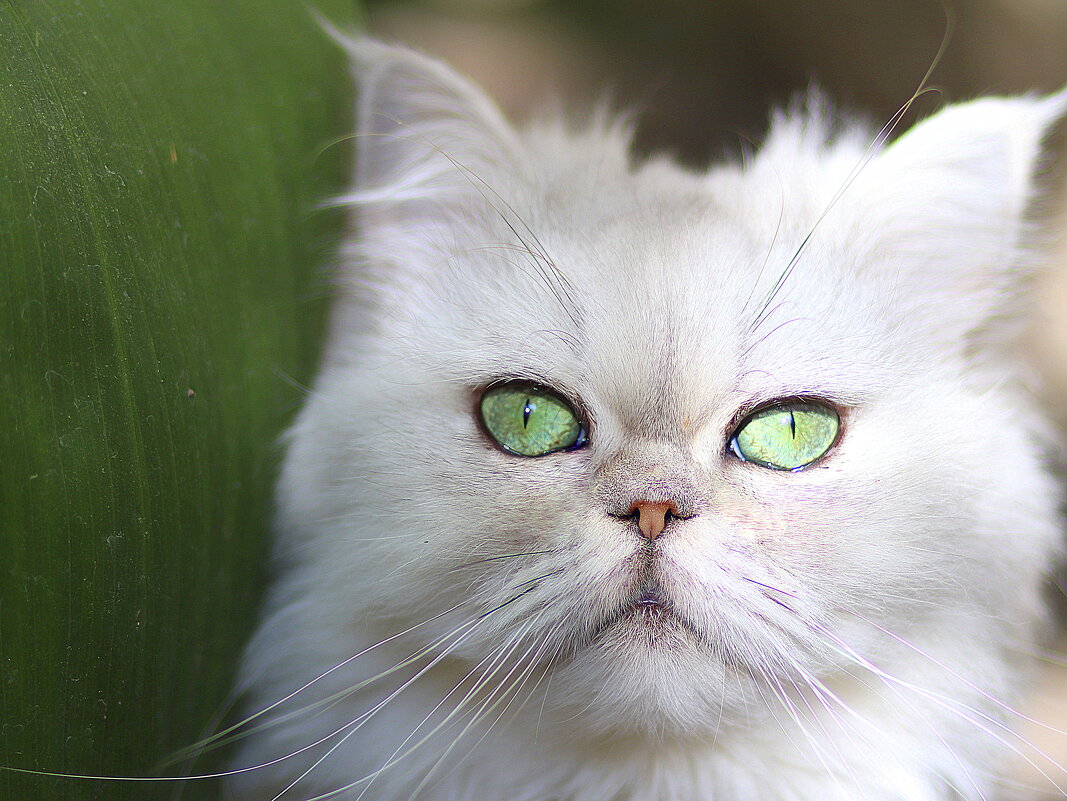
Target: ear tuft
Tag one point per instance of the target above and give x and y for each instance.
(948, 202)
(422, 130)
(986, 149)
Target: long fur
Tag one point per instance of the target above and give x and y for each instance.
(453, 616)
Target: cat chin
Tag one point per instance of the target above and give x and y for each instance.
(649, 675)
(646, 626)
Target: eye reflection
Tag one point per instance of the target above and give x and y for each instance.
(529, 420)
(786, 436)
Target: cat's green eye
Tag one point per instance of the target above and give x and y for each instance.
(529, 420)
(786, 436)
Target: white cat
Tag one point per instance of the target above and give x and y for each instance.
(625, 483)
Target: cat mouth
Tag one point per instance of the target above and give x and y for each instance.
(649, 614)
(650, 602)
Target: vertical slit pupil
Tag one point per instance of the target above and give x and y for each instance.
(793, 425)
(527, 410)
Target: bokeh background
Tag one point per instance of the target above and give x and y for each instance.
(702, 75)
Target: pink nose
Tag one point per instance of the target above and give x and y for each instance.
(652, 517)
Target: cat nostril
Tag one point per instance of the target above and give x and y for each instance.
(652, 518)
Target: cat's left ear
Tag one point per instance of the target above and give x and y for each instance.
(425, 136)
(982, 153)
(951, 196)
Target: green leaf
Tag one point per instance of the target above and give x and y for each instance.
(160, 259)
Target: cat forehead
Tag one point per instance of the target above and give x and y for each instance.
(661, 292)
(659, 228)
(703, 253)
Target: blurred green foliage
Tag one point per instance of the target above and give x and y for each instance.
(159, 251)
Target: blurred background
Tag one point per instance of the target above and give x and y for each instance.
(702, 76)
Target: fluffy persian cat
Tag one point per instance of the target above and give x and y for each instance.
(622, 482)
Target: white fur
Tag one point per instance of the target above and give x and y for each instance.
(864, 624)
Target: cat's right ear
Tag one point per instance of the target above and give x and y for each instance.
(423, 132)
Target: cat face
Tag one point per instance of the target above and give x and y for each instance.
(664, 561)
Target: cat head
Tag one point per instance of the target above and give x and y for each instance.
(671, 433)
